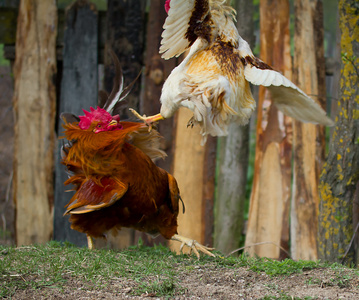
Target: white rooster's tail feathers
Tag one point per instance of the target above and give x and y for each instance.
(119, 92)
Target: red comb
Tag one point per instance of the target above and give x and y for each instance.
(98, 114)
(167, 5)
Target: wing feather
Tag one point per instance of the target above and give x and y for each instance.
(180, 28)
(285, 94)
(93, 196)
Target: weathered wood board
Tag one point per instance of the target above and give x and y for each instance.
(34, 103)
(78, 91)
(308, 139)
(268, 219)
(155, 73)
(193, 180)
(125, 25)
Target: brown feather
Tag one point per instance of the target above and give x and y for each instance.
(119, 185)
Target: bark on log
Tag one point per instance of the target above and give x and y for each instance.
(78, 91)
(268, 219)
(34, 106)
(339, 180)
(308, 138)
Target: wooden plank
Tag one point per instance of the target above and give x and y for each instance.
(7, 210)
(9, 3)
(8, 20)
(78, 91)
(34, 106)
(233, 159)
(125, 33)
(189, 169)
(156, 72)
(208, 191)
(268, 219)
(308, 139)
(8, 24)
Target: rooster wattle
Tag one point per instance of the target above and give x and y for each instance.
(213, 80)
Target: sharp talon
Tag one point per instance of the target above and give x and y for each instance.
(193, 246)
(181, 248)
(147, 120)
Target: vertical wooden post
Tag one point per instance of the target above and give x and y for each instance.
(232, 164)
(308, 139)
(195, 183)
(125, 34)
(156, 71)
(78, 91)
(269, 207)
(339, 180)
(34, 105)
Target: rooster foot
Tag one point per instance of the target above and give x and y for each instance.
(193, 245)
(147, 120)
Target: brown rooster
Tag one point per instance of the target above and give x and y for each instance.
(213, 80)
(116, 182)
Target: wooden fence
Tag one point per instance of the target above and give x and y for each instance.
(133, 31)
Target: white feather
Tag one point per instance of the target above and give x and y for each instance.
(174, 42)
(287, 96)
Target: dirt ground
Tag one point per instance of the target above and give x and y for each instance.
(214, 283)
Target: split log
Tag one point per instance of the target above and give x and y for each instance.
(309, 139)
(268, 219)
(34, 106)
(195, 180)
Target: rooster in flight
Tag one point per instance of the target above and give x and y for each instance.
(213, 80)
(116, 182)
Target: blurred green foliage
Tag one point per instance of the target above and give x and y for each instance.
(3, 61)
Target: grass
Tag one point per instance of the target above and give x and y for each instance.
(3, 61)
(154, 270)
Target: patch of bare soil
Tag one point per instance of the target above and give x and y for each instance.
(218, 283)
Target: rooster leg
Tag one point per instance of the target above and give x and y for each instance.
(193, 245)
(90, 242)
(148, 120)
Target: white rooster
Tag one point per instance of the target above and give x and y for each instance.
(213, 80)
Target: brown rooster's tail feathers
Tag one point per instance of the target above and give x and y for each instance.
(118, 93)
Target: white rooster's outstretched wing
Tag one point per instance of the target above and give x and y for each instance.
(285, 94)
(182, 24)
